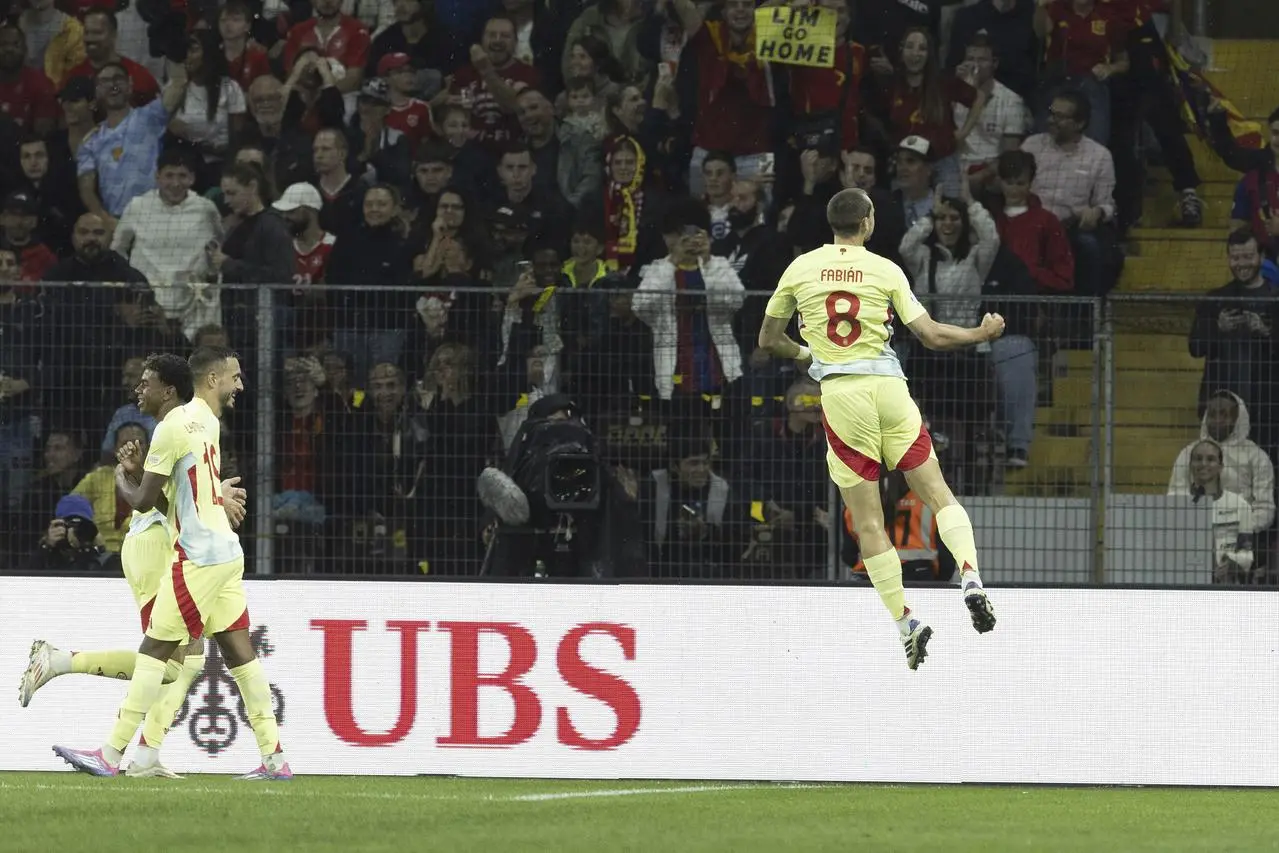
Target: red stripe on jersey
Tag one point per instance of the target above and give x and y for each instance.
(861, 464)
(195, 488)
(241, 624)
(145, 613)
(186, 605)
(917, 453)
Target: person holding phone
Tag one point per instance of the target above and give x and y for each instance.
(689, 299)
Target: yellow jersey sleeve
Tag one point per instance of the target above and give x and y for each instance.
(783, 302)
(904, 301)
(166, 449)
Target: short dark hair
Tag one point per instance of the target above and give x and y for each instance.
(686, 212)
(119, 66)
(174, 371)
(249, 173)
(517, 148)
(1017, 164)
(982, 41)
(721, 157)
(204, 359)
(112, 23)
(1077, 99)
(1274, 116)
(1241, 237)
(30, 137)
(847, 211)
(174, 158)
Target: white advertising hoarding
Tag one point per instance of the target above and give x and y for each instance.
(694, 682)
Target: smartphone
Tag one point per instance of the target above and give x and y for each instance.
(524, 267)
(767, 162)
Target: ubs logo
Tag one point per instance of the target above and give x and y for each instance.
(211, 723)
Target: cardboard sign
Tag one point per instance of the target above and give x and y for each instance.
(804, 36)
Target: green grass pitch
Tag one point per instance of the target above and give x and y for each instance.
(68, 812)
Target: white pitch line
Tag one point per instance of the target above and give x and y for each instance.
(287, 792)
(632, 792)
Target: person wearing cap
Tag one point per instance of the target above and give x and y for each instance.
(70, 543)
(408, 114)
(379, 146)
(55, 40)
(19, 219)
(914, 178)
(434, 51)
(299, 207)
(77, 99)
(26, 95)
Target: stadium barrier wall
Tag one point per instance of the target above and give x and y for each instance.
(695, 682)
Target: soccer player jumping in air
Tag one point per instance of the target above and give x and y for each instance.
(146, 556)
(204, 591)
(846, 297)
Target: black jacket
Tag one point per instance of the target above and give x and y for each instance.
(376, 259)
(260, 251)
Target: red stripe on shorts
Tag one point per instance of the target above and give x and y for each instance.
(917, 453)
(241, 624)
(861, 464)
(145, 613)
(186, 606)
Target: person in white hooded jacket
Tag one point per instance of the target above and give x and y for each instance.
(1246, 470)
(688, 299)
(1232, 537)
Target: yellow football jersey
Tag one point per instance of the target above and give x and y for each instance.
(847, 298)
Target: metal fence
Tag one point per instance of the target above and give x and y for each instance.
(370, 412)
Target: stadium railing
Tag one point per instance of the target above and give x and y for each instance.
(368, 413)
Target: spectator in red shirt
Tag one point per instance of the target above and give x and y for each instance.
(246, 60)
(489, 86)
(1029, 231)
(100, 30)
(1086, 45)
(300, 207)
(336, 36)
(408, 115)
(726, 94)
(18, 220)
(26, 95)
(922, 103)
(826, 102)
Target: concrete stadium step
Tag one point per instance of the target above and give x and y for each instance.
(1164, 274)
(1153, 318)
(1179, 418)
(1149, 342)
(1160, 209)
(1167, 353)
(1037, 481)
(1243, 71)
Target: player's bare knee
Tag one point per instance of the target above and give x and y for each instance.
(236, 648)
(161, 650)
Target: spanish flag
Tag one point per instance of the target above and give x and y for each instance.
(1197, 93)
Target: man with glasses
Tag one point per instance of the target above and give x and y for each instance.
(1075, 179)
(117, 160)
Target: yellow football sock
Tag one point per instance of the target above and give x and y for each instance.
(956, 530)
(256, 692)
(161, 715)
(885, 572)
(144, 690)
(117, 663)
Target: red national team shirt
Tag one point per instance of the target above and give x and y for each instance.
(734, 101)
(493, 127)
(34, 261)
(249, 66)
(906, 114)
(348, 43)
(145, 89)
(1084, 42)
(311, 265)
(815, 91)
(29, 98)
(413, 120)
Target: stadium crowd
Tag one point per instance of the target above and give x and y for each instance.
(470, 205)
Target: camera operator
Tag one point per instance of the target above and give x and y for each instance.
(70, 544)
(560, 510)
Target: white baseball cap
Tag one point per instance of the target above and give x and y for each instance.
(299, 195)
(916, 145)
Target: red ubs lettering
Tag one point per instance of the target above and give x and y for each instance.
(465, 681)
(842, 275)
